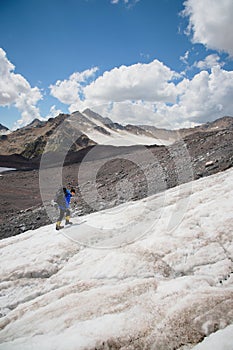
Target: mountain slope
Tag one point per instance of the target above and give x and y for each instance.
(85, 129)
(165, 289)
(31, 140)
(172, 135)
(109, 133)
(3, 129)
(88, 129)
(118, 179)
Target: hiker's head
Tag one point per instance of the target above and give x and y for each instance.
(72, 191)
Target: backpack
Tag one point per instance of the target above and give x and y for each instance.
(60, 197)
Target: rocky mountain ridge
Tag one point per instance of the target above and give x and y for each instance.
(218, 124)
(30, 141)
(26, 145)
(86, 129)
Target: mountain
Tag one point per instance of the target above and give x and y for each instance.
(79, 131)
(122, 173)
(3, 129)
(219, 124)
(151, 274)
(30, 141)
(86, 129)
(109, 133)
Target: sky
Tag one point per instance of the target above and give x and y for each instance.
(165, 63)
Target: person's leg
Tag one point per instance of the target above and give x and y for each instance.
(61, 215)
(68, 217)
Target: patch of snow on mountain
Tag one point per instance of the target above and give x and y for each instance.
(120, 137)
(123, 138)
(166, 289)
(3, 169)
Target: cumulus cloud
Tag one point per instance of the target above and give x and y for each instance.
(131, 112)
(150, 82)
(138, 82)
(209, 62)
(204, 98)
(70, 91)
(210, 23)
(150, 93)
(16, 91)
(26, 104)
(213, 92)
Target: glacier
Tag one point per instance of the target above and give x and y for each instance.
(151, 274)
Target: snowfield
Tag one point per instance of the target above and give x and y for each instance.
(120, 137)
(124, 138)
(153, 274)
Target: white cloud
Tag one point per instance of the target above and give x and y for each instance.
(145, 93)
(70, 91)
(206, 97)
(131, 112)
(184, 58)
(210, 23)
(128, 3)
(16, 91)
(209, 62)
(53, 112)
(26, 104)
(150, 82)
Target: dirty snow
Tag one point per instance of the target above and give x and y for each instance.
(153, 274)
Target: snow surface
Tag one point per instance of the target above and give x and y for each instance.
(124, 138)
(120, 137)
(221, 340)
(2, 169)
(167, 285)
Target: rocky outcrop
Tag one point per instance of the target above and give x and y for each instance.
(31, 142)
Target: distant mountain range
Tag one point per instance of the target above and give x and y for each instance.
(87, 129)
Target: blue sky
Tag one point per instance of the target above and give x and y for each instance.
(136, 61)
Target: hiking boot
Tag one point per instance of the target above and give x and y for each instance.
(58, 226)
(68, 222)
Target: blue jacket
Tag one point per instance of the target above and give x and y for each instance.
(68, 196)
(63, 199)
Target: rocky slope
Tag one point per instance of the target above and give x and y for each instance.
(29, 142)
(75, 132)
(122, 174)
(173, 135)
